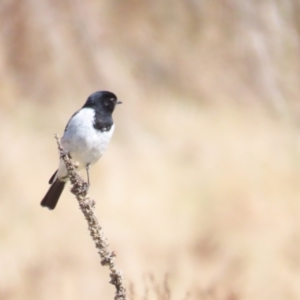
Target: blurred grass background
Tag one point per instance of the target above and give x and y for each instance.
(200, 185)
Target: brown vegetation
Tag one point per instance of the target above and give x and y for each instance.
(198, 192)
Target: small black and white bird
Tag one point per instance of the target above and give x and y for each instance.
(85, 139)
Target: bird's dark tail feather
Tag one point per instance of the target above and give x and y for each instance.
(53, 194)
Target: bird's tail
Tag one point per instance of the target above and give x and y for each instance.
(51, 198)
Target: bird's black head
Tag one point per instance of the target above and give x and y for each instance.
(103, 101)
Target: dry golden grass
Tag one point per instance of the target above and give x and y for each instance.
(198, 192)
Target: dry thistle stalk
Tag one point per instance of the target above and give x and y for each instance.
(87, 206)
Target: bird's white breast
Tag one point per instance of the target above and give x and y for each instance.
(85, 144)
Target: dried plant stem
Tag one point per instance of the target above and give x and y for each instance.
(87, 206)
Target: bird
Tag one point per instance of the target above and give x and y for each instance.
(85, 140)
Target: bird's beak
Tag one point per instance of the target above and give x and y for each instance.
(119, 102)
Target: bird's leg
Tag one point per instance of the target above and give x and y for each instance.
(88, 174)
